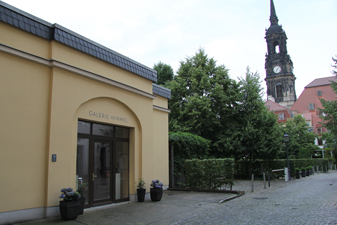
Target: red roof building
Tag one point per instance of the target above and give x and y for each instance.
(308, 104)
(282, 112)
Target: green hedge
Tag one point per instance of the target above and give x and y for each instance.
(209, 173)
(242, 167)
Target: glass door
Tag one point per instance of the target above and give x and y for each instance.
(101, 171)
(103, 162)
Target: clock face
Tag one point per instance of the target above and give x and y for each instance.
(277, 69)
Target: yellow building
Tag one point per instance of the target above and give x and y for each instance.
(72, 110)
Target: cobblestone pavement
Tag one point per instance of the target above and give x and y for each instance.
(309, 200)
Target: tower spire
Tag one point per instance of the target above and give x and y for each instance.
(273, 18)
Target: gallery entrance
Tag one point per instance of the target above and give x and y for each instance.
(103, 162)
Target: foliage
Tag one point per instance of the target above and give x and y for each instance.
(209, 173)
(299, 137)
(82, 189)
(203, 99)
(164, 72)
(156, 184)
(187, 146)
(258, 135)
(329, 115)
(297, 170)
(69, 195)
(140, 183)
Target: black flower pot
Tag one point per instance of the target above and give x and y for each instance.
(81, 207)
(141, 194)
(156, 194)
(69, 210)
(307, 172)
(298, 175)
(303, 173)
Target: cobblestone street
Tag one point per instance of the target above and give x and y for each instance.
(309, 200)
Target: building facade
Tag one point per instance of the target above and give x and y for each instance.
(282, 112)
(73, 111)
(308, 104)
(279, 67)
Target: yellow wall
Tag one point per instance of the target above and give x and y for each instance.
(23, 132)
(40, 106)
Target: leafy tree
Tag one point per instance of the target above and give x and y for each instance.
(330, 116)
(164, 72)
(258, 135)
(300, 139)
(203, 98)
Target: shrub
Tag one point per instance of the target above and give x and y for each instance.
(209, 173)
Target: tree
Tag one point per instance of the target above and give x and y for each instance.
(203, 99)
(164, 72)
(258, 135)
(329, 115)
(301, 141)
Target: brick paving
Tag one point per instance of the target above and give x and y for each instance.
(309, 200)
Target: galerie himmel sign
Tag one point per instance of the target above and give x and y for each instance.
(108, 116)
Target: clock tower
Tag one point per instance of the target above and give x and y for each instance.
(279, 67)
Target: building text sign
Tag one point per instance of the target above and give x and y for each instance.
(107, 116)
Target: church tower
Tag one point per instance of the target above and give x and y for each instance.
(279, 67)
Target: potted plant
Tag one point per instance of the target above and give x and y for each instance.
(156, 191)
(310, 170)
(69, 207)
(307, 171)
(82, 190)
(141, 190)
(303, 171)
(298, 173)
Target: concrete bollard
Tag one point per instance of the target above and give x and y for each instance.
(286, 174)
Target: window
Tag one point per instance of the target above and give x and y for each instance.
(281, 116)
(319, 141)
(279, 91)
(319, 130)
(276, 48)
(311, 107)
(319, 93)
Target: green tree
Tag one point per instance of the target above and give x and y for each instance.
(300, 139)
(258, 135)
(164, 72)
(329, 116)
(203, 99)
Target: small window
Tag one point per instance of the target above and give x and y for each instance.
(319, 93)
(83, 127)
(281, 116)
(319, 141)
(103, 130)
(311, 107)
(279, 91)
(319, 130)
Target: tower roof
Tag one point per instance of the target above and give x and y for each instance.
(273, 18)
(274, 27)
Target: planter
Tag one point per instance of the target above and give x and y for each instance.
(81, 207)
(141, 194)
(303, 173)
(156, 194)
(307, 172)
(69, 210)
(298, 175)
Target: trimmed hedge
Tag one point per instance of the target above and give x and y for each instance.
(242, 167)
(209, 173)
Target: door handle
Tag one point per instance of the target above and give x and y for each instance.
(93, 176)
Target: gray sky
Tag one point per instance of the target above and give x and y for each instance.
(232, 32)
